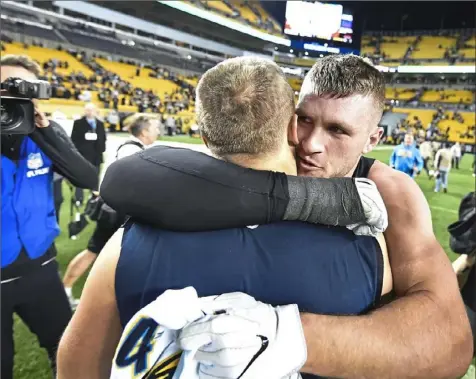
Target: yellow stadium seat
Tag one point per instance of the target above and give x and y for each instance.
(127, 72)
(468, 53)
(367, 50)
(396, 47)
(220, 6)
(456, 128)
(448, 96)
(425, 115)
(429, 47)
(42, 54)
(399, 93)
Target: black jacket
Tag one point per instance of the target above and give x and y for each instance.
(91, 150)
(56, 144)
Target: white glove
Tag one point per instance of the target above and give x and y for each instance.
(374, 209)
(252, 342)
(148, 342)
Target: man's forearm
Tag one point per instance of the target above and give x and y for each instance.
(411, 337)
(56, 144)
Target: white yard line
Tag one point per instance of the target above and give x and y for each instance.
(444, 209)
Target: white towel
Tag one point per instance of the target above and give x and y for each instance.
(148, 347)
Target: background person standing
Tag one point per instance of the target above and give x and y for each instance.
(456, 152)
(443, 160)
(144, 131)
(89, 136)
(406, 157)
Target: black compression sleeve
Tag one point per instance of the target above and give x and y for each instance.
(56, 144)
(184, 190)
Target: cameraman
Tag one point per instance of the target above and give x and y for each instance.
(31, 286)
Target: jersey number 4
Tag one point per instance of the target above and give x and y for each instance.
(137, 346)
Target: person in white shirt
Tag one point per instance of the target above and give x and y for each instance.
(426, 153)
(144, 131)
(456, 152)
(443, 160)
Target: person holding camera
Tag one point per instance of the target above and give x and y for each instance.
(144, 131)
(30, 283)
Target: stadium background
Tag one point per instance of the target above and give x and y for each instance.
(114, 60)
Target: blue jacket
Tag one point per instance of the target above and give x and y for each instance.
(404, 158)
(28, 212)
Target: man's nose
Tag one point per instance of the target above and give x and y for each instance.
(314, 142)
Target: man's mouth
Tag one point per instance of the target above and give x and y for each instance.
(308, 165)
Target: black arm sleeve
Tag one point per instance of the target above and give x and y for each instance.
(184, 190)
(67, 161)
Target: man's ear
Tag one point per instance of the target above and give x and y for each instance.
(204, 139)
(292, 131)
(373, 140)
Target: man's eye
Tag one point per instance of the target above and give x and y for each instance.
(336, 130)
(304, 119)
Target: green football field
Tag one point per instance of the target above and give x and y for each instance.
(31, 361)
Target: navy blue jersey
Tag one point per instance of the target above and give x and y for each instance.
(325, 270)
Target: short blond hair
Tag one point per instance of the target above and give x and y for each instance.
(244, 106)
(23, 61)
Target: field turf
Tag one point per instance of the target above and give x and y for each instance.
(31, 361)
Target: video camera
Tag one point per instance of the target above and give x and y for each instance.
(17, 109)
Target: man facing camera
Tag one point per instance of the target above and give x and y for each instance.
(406, 157)
(89, 136)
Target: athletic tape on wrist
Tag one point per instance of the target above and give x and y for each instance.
(333, 201)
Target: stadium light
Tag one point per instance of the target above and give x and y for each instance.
(231, 24)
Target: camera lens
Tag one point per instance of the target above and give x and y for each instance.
(17, 116)
(12, 115)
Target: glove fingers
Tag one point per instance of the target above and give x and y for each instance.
(211, 304)
(215, 326)
(229, 357)
(232, 341)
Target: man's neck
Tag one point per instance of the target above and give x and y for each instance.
(283, 162)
